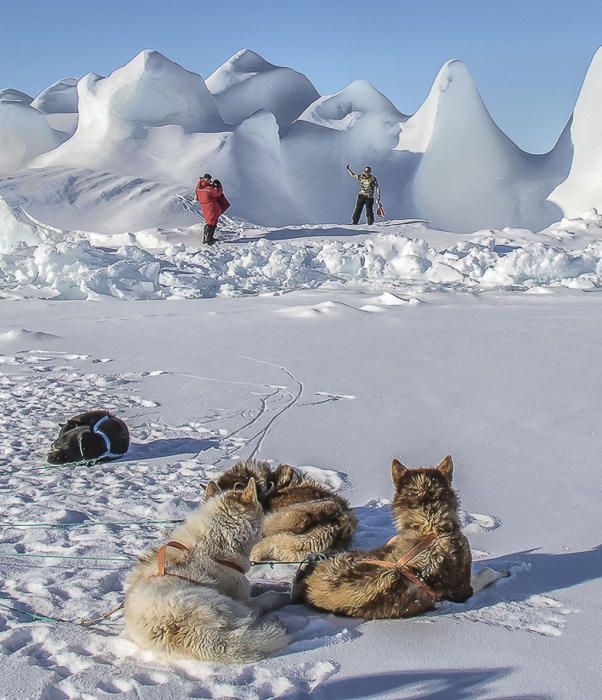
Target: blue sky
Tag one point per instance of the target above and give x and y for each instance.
(528, 57)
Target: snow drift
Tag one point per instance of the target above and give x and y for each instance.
(280, 148)
(24, 131)
(39, 260)
(470, 171)
(582, 188)
(59, 102)
(246, 83)
(120, 115)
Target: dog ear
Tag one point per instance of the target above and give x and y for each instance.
(211, 489)
(398, 471)
(446, 467)
(283, 475)
(249, 495)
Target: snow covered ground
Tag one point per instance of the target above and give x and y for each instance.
(329, 346)
(371, 354)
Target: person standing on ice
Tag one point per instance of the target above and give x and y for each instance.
(368, 185)
(213, 202)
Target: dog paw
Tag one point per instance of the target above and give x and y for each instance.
(261, 552)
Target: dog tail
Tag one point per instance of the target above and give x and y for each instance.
(243, 644)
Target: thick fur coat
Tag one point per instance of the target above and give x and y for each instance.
(425, 504)
(302, 516)
(202, 608)
(90, 436)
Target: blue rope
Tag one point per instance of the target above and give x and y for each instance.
(34, 616)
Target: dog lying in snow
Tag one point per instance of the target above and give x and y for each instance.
(90, 436)
(302, 516)
(427, 561)
(191, 598)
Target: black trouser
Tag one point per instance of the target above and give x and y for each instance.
(208, 233)
(364, 201)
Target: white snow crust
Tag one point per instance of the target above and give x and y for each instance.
(157, 263)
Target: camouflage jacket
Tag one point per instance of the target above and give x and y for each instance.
(368, 183)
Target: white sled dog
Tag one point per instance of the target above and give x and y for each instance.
(190, 598)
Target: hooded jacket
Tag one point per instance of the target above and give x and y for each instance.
(209, 199)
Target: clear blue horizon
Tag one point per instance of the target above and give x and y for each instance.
(528, 58)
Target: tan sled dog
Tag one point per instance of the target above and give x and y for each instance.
(191, 598)
(427, 561)
(302, 516)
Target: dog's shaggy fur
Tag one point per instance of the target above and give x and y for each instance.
(424, 504)
(90, 436)
(213, 617)
(302, 516)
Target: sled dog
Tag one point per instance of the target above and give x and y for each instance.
(90, 436)
(302, 515)
(427, 561)
(191, 598)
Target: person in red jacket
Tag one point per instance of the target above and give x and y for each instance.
(213, 203)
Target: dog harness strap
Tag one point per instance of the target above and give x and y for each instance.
(230, 564)
(416, 549)
(161, 556)
(183, 548)
(401, 564)
(419, 582)
(96, 430)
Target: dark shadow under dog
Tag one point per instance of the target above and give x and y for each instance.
(167, 447)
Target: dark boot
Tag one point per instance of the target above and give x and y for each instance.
(211, 235)
(206, 234)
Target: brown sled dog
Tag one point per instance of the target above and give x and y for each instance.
(427, 561)
(302, 516)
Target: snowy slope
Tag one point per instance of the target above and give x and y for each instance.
(471, 175)
(59, 102)
(123, 116)
(24, 131)
(58, 98)
(448, 163)
(10, 95)
(581, 190)
(246, 83)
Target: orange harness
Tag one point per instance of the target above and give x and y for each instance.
(401, 564)
(183, 548)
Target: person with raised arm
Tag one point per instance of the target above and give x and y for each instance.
(368, 186)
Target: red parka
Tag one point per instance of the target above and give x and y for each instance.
(212, 201)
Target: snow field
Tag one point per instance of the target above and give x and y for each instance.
(160, 264)
(217, 395)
